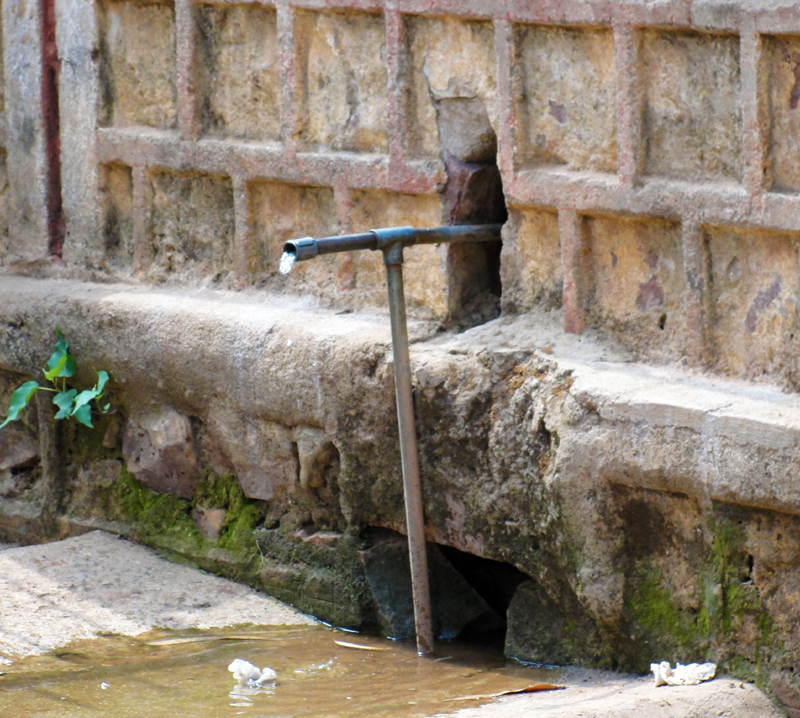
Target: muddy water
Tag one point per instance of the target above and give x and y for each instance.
(117, 677)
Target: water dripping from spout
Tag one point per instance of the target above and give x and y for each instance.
(287, 262)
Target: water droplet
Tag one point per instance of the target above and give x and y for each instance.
(287, 262)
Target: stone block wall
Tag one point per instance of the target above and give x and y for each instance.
(646, 151)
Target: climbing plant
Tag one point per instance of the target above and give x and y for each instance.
(71, 404)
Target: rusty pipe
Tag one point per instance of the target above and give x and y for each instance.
(307, 247)
(391, 241)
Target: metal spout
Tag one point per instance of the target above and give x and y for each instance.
(391, 241)
(308, 247)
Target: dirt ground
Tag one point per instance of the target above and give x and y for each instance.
(55, 593)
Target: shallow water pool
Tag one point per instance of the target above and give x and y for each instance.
(186, 674)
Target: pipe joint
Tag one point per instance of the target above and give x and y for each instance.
(393, 254)
(406, 236)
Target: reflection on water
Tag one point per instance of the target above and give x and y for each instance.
(117, 677)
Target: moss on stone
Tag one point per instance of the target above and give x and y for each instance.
(161, 519)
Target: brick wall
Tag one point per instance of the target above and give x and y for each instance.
(648, 154)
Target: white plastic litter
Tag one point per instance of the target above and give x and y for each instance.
(246, 674)
(689, 675)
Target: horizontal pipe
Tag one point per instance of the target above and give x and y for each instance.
(458, 233)
(347, 243)
(308, 247)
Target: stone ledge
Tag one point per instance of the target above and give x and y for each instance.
(282, 358)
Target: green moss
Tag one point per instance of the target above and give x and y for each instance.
(242, 515)
(160, 519)
(657, 624)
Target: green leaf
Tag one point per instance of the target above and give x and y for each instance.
(19, 400)
(70, 367)
(83, 399)
(59, 352)
(106, 408)
(64, 402)
(56, 370)
(102, 378)
(84, 415)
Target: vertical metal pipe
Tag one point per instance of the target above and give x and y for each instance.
(393, 259)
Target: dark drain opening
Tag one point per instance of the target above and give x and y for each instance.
(470, 595)
(494, 581)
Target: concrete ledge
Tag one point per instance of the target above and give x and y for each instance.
(290, 361)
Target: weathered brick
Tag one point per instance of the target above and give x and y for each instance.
(137, 69)
(4, 240)
(782, 60)
(342, 81)
(279, 212)
(531, 260)
(116, 188)
(692, 114)
(425, 269)
(191, 225)
(566, 104)
(238, 71)
(753, 294)
(638, 283)
(453, 87)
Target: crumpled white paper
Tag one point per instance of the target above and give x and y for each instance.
(246, 674)
(689, 675)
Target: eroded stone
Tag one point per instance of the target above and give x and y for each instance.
(568, 110)
(209, 521)
(17, 448)
(238, 74)
(159, 450)
(138, 72)
(342, 79)
(260, 453)
(191, 225)
(453, 88)
(692, 116)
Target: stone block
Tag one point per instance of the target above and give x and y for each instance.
(531, 260)
(17, 448)
(453, 88)
(191, 224)
(159, 450)
(342, 81)
(2, 71)
(781, 69)
(692, 114)
(260, 453)
(4, 194)
(638, 283)
(209, 521)
(279, 212)
(238, 71)
(425, 270)
(567, 103)
(116, 207)
(137, 64)
(25, 143)
(753, 299)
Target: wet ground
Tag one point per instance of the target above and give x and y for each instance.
(97, 626)
(117, 677)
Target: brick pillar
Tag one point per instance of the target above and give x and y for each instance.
(573, 249)
(77, 39)
(26, 145)
(629, 105)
